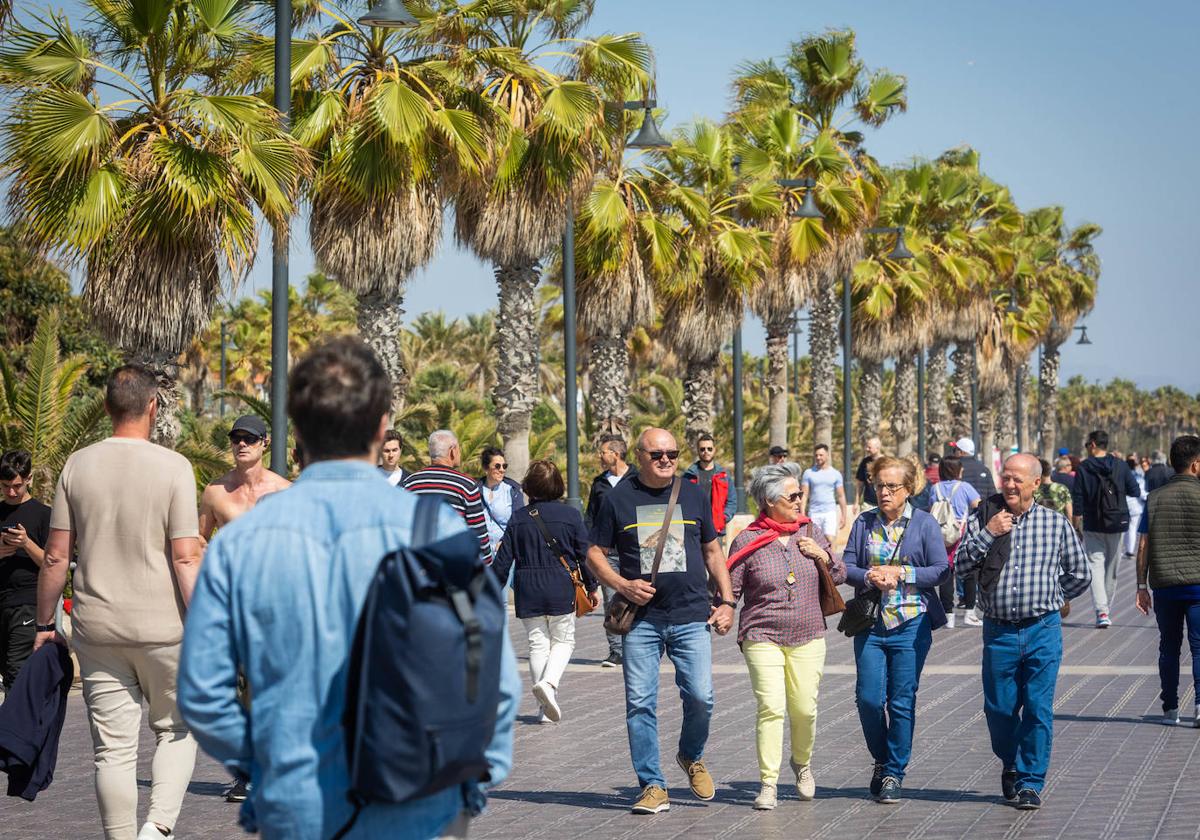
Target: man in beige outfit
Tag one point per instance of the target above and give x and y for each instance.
(129, 507)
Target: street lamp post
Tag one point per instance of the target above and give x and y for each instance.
(921, 403)
(569, 335)
(975, 393)
(223, 368)
(279, 252)
(739, 438)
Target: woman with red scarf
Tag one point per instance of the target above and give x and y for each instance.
(781, 630)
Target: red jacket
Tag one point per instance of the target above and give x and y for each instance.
(723, 505)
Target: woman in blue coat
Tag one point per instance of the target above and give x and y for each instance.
(898, 551)
(543, 590)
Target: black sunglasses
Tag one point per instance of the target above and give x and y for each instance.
(243, 437)
(657, 454)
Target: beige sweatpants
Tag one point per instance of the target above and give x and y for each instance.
(115, 681)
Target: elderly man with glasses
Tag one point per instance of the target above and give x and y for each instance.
(657, 515)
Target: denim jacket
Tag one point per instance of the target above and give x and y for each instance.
(278, 598)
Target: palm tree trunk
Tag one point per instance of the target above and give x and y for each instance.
(824, 312)
(777, 382)
(165, 367)
(608, 370)
(379, 325)
(518, 359)
(699, 395)
(1048, 391)
(870, 385)
(937, 411)
(1006, 428)
(904, 398)
(960, 390)
(987, 428)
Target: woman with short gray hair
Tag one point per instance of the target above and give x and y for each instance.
(781, 630)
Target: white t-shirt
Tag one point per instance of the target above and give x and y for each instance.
(822, 488)
(394, 477)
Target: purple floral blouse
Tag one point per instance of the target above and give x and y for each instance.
(773, 610)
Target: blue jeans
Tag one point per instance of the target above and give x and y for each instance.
(889, 666)
(1020, 670)
(689, 647)
(1171, 615)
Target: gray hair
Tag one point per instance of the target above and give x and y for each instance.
(766, 484)
(1158, 457)
(795, 469)
(616, 443)
(440, 443)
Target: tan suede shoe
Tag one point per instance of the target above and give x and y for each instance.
(699, 780)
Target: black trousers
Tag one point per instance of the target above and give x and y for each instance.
(17, 631)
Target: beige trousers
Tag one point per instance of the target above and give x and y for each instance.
(115, 681)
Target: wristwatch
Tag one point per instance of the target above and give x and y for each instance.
(1143, 587)
(46, 628)
(721, 602)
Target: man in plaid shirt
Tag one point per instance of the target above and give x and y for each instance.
(1030, 561)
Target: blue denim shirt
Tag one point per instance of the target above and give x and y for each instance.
(278, 598)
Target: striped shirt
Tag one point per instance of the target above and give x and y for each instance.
(461, 492)
(1046, 564)
(904, 602)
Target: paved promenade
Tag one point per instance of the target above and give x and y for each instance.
(1116, 772)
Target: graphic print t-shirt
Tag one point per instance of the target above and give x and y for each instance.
(630, 519)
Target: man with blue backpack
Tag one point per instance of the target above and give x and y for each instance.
(380, 686)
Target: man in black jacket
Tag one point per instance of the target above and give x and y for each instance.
(1158, 474)
(973, 470)
(1102, 514)
(611, 454)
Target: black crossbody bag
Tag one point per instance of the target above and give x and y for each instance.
(862, 611)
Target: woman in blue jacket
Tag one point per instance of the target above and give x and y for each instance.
(898, 551)
(543, 590)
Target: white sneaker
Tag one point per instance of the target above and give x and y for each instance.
(950, 619)
(150, 832)
(806, 785)
(545, 694)
(543, 719)
(767, 798)
(1196, 719)
(1170, 717)
(972, 619)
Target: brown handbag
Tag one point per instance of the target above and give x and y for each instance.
(583, 604)
(827, 591)
(622, 612)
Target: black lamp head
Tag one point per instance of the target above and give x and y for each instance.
(1083, 336)
(388, 14)
(808, 209)
(900, 252)
(648, 136)
(1012, 308)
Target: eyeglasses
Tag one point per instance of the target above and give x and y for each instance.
(708, 449)
(794, 497)
(242, 437)
(499, 466)
(891, 488)
(659, 454)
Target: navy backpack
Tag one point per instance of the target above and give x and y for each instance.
(424, 680)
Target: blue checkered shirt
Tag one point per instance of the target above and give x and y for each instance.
(1046, 565)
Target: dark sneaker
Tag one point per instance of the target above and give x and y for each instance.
(889, 792)
(1008, 785)
(236, 792)
(613, 660)
(877, 780)
(1028, 800)
(699, 779)
(652, 801)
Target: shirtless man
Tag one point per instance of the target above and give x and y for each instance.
(236, 492)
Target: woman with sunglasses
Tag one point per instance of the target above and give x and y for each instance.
(501, 495)
(897, 552)
(781, 631)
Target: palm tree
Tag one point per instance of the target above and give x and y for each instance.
(46, 411)
(555, 130)
(820, 78)
(387, 141)
(128, 160)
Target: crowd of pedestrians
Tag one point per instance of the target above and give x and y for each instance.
(245, 623)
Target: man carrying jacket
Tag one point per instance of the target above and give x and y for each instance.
(713, 482)
(1101, 512)
(611, 454)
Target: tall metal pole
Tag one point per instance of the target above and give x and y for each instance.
(739, 443)
(572, 406)
(847, 408)
(1020, 408)
(223, 368)
(1037, 434)
(921, 404)
(796, 357)
(975, 395)
(279, 256)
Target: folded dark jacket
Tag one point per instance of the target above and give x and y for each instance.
(31, 721)
(998, 551)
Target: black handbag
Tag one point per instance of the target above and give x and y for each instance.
(860, 614)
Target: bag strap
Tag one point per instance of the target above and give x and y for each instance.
(425, 520)
(551, 542)
(666, 526)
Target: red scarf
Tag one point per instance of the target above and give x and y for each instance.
(770, 531)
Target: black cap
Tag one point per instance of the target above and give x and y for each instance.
(777, 450)
(251, 423)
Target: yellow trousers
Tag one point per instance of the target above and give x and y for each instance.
(784, 679)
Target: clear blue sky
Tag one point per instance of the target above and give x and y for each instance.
(1091, 105)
